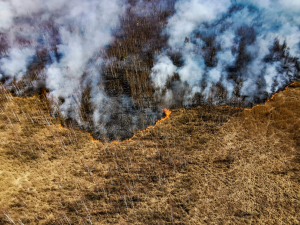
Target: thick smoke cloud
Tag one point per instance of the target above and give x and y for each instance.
(190, 14)
(96, 61)
(16, 63)
(249, 45)
(73, 33)
(6, 16)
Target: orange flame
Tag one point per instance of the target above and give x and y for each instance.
(167, 112)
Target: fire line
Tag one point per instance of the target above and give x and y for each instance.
(168, 113)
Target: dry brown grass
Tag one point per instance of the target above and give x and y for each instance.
(206, 165)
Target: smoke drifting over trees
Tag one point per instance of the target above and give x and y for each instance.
(248, 45)
(111, 66)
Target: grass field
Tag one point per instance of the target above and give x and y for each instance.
(209, 165)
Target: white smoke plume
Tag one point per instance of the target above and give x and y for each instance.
(232, 42)
(16, 64)
(73, 32)
(237, 49)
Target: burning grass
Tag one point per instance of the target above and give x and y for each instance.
(205, 165)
